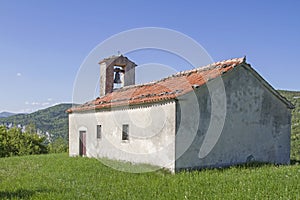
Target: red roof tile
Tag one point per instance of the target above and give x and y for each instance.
(162, 90)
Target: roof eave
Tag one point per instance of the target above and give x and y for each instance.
(122, 106)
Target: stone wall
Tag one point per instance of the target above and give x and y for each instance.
(107, 73)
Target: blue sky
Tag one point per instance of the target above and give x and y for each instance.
(43, 43)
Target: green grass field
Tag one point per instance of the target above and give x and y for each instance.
(57, 176)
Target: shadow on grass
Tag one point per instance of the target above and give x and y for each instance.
(20, 193)
(249, 165)
(254, 165)
(295, 162)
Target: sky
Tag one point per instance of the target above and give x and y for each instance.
(44, 43)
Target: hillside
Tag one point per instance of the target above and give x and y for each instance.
(294, 97)
(57, 176)
(6, 114)
(53, 120)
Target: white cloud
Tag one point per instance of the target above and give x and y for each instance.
(26, 110)
(36, 105)
(19, 74)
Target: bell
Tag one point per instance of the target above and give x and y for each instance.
(117, 78)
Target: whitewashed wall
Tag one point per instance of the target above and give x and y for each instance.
(151, 134)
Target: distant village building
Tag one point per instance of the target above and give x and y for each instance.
(172, 122)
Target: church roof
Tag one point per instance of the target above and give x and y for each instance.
(165, 89)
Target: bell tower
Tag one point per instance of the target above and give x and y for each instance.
(116, 72)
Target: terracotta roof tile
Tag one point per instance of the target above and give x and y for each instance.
(162, 90)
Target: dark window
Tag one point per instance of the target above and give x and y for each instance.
(125, 132)
(98, 131)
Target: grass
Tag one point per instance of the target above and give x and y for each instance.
(57, 176)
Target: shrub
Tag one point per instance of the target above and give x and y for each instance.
(59, 145)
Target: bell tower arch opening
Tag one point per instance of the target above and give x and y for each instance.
(118, 77)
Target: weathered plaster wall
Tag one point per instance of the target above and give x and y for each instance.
(151, 134)
(257, 125)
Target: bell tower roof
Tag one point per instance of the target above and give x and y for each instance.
(119, 60)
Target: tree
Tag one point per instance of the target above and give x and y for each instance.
(59, 145)
(30, 128)
(13, 142)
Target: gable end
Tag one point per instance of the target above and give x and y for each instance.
(248, 67)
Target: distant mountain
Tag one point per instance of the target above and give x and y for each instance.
(52, 120)
(6, 114)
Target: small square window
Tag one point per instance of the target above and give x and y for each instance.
(99, 127)
(125, 132)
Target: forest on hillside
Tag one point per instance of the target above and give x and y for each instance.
(51, 122)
